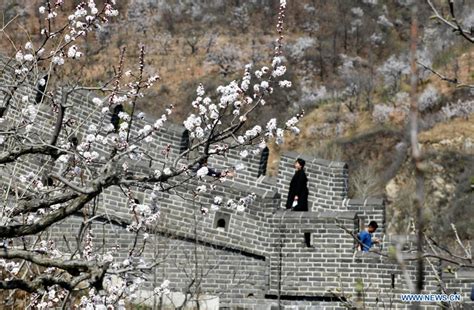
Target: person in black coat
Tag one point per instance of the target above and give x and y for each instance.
(298, 194)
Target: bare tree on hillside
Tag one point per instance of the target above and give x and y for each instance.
(227, 58)
(193, 39)
(458, 28)
(60, 150)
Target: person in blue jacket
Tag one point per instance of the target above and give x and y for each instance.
(365, 237)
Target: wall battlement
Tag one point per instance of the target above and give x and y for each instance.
(252, 257)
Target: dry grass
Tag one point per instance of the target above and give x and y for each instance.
(465, 73)
(448, 131)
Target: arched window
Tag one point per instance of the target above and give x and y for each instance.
(40, 89)
(185, 142)
(221, 223)
(115, 119)
(262, 167)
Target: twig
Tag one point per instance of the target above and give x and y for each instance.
(456, 26)
(468, 252)
(445, 78)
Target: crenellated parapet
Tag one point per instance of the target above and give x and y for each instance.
(252, 257)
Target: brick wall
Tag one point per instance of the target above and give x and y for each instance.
(260, 254)
(327, 181)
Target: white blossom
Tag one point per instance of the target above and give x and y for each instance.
(218, 200)
(357, 12)
(97, 101)
(72, 52)
(291, 122)
(203, 171)
(124, 116)
(383, 20)
(198, 133)
(109, 11)
(158, 124)
(200, 90)
(376, 38)
(107, 257)
(19, 56)
(393, 69)
(29, 112)
(271, 125)
(123, 126)
(428, 98)
(191, 122)
(284, 84)
(29, 57)
(142, 209)
(202, 109)
(201, 188)
(279, 136)
(57, 60)
(251, 133)
(276, 61)
(279, 71)
(381, 113)
(298, 48)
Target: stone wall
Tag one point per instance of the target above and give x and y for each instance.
(327, 181)
(259, 255)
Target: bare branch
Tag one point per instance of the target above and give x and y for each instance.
(11, 231)
(25, 206)
(11, 156)
(72, 185)
(455, 24)
(445, 78)
(74, 267)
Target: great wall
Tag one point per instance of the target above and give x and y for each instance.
(253, 259)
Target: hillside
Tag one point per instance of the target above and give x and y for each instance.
(348, 63)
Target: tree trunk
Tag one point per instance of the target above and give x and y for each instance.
(334, 51)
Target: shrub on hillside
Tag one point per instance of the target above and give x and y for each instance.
(428, 99)
(381, 113)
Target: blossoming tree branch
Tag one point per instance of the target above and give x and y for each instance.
(71, 171)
